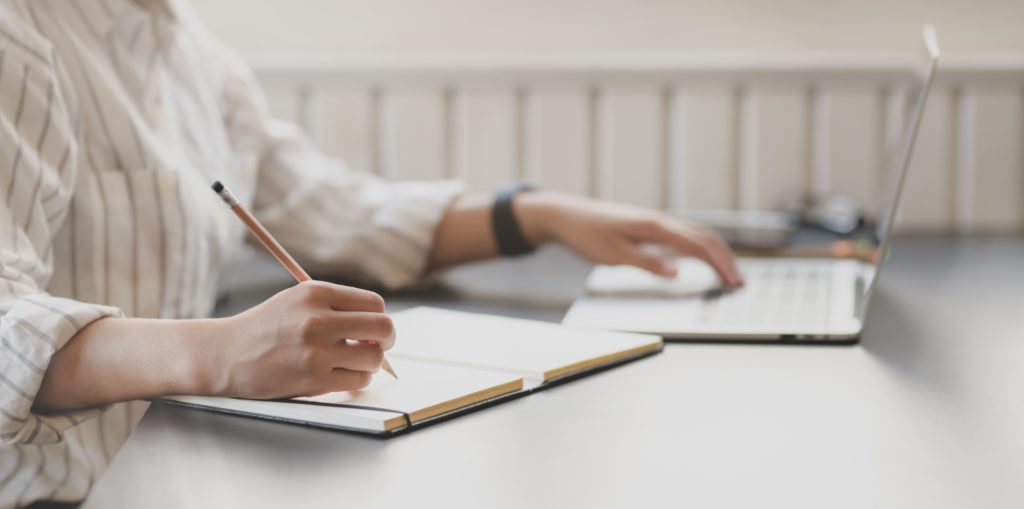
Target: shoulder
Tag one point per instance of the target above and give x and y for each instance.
(27, 56)
(19, 39)
(224, 69)
(208, 45)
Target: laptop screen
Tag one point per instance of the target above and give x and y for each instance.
(896, 178)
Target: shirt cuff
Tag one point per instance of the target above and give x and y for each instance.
(396, 252)
(34, 329)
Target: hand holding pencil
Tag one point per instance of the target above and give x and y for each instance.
(273, 246)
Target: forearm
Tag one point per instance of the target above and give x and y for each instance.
(602, 232)
(122, 359)
(465, 233)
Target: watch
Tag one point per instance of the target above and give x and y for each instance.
(507, 232)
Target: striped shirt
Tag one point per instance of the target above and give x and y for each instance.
(115, 117)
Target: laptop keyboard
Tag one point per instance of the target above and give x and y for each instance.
(777, 293)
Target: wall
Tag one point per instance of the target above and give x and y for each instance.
(626, 110)
(403, 27)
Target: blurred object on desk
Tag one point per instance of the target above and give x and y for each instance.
(747, 229)
(860, 249)
(835, 213)
(838, 213)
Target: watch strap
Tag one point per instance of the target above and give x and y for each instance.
(507, 231)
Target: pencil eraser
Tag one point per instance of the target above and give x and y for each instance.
(217, 186)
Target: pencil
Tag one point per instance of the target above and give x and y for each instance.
(272, 244)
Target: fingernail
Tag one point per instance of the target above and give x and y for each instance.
(669, 268)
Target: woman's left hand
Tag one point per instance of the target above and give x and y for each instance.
(615, 234)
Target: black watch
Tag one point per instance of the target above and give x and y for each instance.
(507, 232)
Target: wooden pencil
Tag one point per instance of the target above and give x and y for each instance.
(272, 244)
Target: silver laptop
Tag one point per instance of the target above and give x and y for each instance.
(801, 299)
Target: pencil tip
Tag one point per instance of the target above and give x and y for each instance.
(217, 186)
(389, 370)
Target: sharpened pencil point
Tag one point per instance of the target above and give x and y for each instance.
(217, 186)
(391, 371)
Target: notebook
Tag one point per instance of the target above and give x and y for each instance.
(450, 363)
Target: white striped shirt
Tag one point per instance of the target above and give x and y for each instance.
(115, 117)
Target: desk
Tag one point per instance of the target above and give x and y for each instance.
(926, 412)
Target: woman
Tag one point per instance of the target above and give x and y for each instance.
(115, 117)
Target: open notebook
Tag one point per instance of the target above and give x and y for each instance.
(450, 363)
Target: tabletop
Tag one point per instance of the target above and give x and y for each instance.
(925, 411)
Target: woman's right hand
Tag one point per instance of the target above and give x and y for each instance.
(310, 339)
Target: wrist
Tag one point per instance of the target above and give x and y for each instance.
(537, 214)
(202, 361)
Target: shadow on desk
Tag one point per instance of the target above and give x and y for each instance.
(897, 334)
(257, 436)
(541, 286)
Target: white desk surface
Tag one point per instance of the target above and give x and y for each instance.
(927, 411)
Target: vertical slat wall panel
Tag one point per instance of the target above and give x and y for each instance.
(895, 112)
(964, 165)
(557, 139)
(685, 138)
(486, 127)
(993, 155)
(702, 148)
(819, 136)
(852, 121)
(928, 195)
(343, 124)
(414, 134)
(286, 102)
(774, 146)
(630, 145)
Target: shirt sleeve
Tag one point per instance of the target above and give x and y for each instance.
(332, 218)
(37, 167)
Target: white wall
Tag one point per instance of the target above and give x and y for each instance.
(628, 112)
(415, 27)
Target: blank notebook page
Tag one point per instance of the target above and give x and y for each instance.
(535, 350)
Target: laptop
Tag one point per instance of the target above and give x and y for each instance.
(814, 299)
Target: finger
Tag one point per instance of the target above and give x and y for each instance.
(721, 250)
(359, 325)
(344, 298)
(636, 256)
(726, 253)
(724, 265)
(694, 244)
(343, 380)
(708, 246)
(665, 232)
(353, 356)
